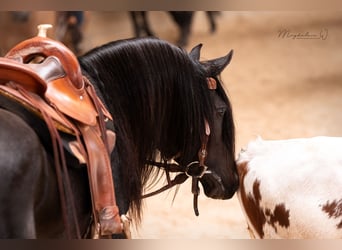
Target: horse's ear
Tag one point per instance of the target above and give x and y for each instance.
(195, 53)
(216, 66)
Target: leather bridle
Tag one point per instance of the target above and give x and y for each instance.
(195, 170)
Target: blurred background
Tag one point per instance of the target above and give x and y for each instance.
(82, 30)
(284, 81)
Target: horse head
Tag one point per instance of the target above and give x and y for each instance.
(160, 101)
(220, 181)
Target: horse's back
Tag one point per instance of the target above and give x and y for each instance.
(292, 188)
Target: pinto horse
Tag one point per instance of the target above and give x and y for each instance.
(159, 99)
(292, 188)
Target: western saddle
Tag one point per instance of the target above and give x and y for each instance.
(56, 90)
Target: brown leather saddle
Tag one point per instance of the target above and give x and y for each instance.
(55, 89)
(58, 78)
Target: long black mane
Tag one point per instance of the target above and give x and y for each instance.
(159, 100)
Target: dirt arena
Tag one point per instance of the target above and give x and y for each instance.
(281, 85)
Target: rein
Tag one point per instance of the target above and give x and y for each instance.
(64, 187)
(195, 170)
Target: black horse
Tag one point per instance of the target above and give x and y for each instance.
(159, 98)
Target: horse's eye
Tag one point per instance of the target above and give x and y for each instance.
(220, 111)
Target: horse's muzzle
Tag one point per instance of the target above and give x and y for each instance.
(215, 189)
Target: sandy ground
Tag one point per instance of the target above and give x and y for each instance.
(280, 87)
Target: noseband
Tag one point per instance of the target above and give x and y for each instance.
(195, 170)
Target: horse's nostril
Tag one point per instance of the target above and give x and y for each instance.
(215, 189)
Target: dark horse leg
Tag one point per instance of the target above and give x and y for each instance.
(183, 19)
(20, 16)
(211, 18)
(75, 21)
(140, 24)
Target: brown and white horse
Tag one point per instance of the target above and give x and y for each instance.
(292, 188)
